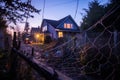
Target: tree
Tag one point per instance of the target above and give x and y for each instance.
(2, 23)
(16, 10)
(93, 14)
(111, 4)
(48, 39)
(115, 2)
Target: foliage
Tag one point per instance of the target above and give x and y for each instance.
(111, 4)
(7, 41)
(24, 35)
(99, 65)
(16, 10)
(115, 2)
(3, 53)
(48, 39)
(2, 23)
(93, 14)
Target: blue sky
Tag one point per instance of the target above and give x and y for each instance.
(57, 9)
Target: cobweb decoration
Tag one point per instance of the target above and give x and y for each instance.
(94, 54)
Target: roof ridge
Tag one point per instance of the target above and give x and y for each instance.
(56, 23)
(53, 23)
(50, 19)
(63, 19)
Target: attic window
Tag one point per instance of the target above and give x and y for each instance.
(67, 25)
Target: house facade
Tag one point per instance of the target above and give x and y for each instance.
(36, 35)
(63, 28)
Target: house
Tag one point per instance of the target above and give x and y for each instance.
(63, 28)
(36, 35)
(35, 30)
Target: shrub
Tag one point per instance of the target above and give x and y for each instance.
(48, 39)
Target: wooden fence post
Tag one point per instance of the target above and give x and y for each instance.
(13, 59)
(14, 41)
(32, 54)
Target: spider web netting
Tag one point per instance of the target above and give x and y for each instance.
(93, 54)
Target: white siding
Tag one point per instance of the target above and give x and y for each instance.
(52, 31)
(44, 26)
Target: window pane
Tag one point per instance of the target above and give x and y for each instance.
(67, 25)
(60, 34)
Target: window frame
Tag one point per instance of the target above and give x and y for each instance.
(68, 25)
(60, 34)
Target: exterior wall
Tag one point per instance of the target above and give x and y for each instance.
(74, 27)
(52, 31)
(68, 35)
(32, 32)
(39, 37)
(44, 26)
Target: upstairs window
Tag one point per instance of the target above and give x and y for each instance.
(67, 25)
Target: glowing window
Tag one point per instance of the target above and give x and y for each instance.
(60, 34)
(67, 25)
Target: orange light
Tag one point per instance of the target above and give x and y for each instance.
(26, 38)
(67, 25)
(60, 34)
(37, 35)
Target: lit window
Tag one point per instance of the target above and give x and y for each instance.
(67, 25)
(26, 38)
(60, 34)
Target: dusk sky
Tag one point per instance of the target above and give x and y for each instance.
(57, 9)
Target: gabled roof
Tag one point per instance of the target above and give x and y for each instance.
(56, 23)
(65, 18)
(113, 19)
(35, 29)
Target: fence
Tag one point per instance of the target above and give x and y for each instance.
(98, 58)
(24, 67)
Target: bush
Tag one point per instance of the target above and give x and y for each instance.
(48, 39)
(3, 53)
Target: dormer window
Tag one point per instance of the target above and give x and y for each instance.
(67, 25)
